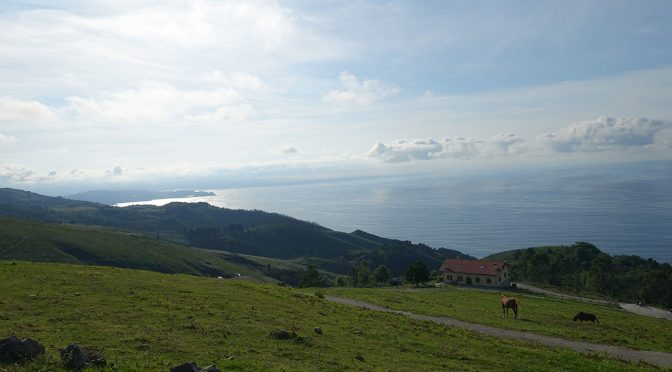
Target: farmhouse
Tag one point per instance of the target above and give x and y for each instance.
(475, 272)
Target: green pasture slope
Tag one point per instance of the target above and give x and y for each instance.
(43, 242)
(538, 314)
(46, 242)
(144, 320)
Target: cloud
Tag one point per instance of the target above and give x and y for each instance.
(117, 170)
(222, 115)
(154, 102)
(237, 80)
(288, 150)
(448, 148)
(358, 92)
(4, 138)
(14, 110)
(607, 133)
(10, 173)
(201, 24)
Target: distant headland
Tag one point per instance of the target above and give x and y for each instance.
(112, 197)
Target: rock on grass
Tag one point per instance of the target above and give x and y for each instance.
(13, 350)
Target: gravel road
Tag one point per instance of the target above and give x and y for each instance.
(657, 358)
(653, 312)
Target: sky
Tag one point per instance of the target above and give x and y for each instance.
(115, 94)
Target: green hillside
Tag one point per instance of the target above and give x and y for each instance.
(36, 241)
(143, 320)
(43, 242)
(583, 268)
(242, 231)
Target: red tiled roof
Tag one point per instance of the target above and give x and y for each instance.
(472, 266)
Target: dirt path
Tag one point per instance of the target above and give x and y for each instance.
(653, 312)
(646, 310)
(532, 289)
(657, 358)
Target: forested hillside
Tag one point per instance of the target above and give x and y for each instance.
(251, 232)
(582, 267)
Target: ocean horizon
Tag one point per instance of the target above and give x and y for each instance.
(623, 210)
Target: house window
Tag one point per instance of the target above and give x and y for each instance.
(459, 278)
(499, 279)
(478, 280)
(488, 280)
(450, 277)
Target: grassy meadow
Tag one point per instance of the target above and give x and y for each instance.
(45, 242)
(537, 314)
(150, 321)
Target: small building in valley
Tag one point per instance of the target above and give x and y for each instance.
(476, 272)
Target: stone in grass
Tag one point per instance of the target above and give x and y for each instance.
(186, 367)
(32, 348)
(281, 334)
(12, 349)
(96, 358)
(192, 367)
(75, 356)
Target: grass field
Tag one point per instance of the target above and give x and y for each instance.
(48, 242)
(538, 314)
(150, 321)
(44, 242)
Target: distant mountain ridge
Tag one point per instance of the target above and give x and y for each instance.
(112, 197)
(251, 232)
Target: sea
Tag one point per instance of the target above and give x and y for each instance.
(622, 209)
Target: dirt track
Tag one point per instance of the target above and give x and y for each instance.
(653, 312)
(657, 358)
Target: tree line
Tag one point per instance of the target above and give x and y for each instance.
(361, 275)
(582, 267)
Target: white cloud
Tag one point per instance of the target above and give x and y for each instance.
(4, 138)
(153, 102)
(10, 173)
(13, 110)
(222, 115)
(237, 80)
(607, 133)
(603, 134)
(448, 148)
(288, 150)
(358, 92)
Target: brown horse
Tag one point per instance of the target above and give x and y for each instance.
(509, 303)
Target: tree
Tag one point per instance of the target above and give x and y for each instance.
(354, 277)
(382, 275)
(600, 274)
(311, 278)
(417, 273)
(360, 276)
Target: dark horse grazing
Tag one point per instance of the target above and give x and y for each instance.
(509, 303)
(586, 317)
